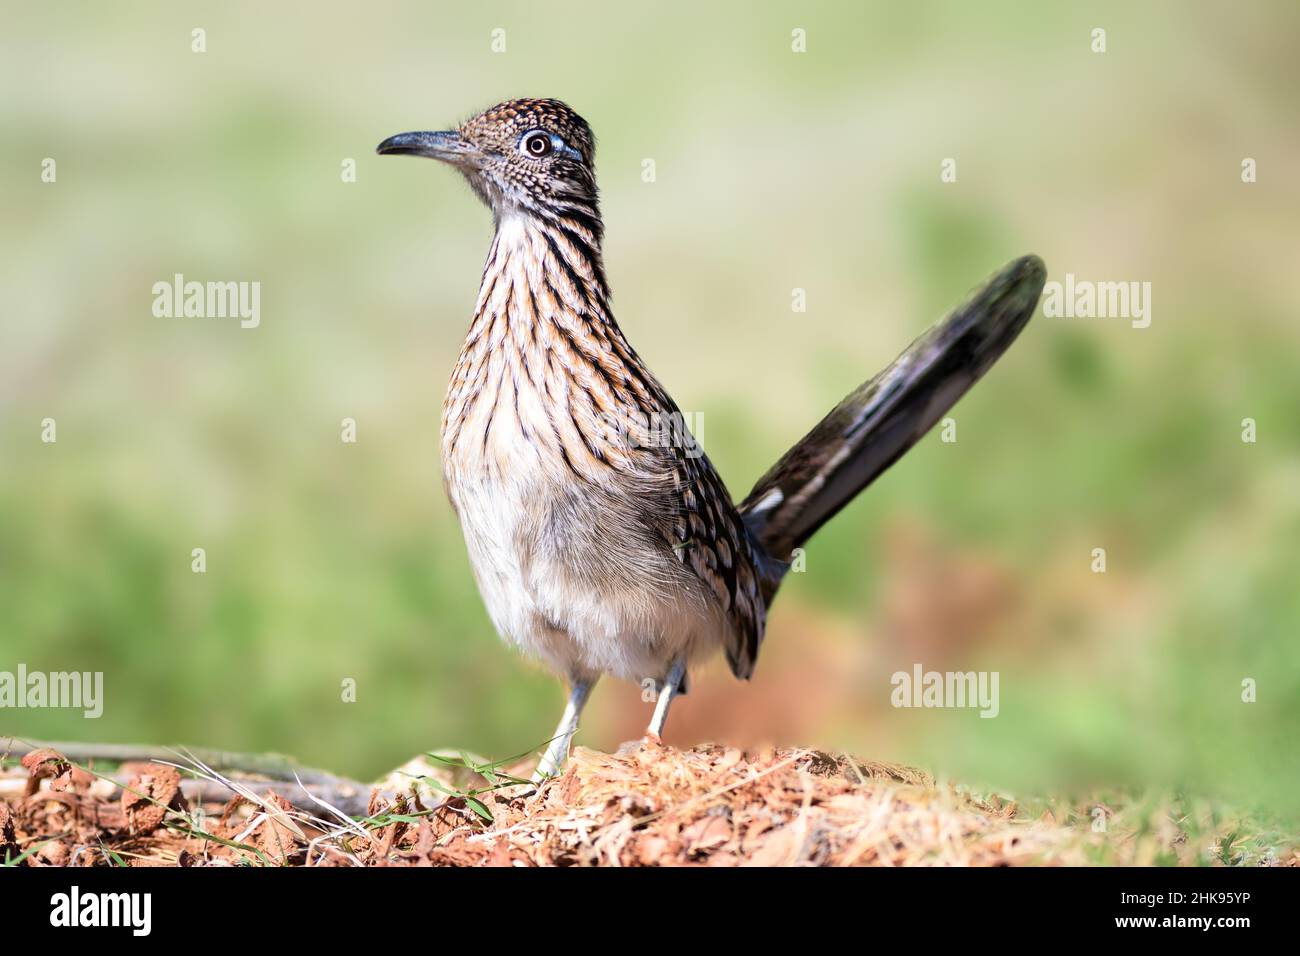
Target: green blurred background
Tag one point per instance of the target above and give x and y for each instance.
(775, 171)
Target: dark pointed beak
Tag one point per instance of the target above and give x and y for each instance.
(448, 146)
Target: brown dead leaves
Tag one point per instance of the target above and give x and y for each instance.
(151, 793)
(68, 816)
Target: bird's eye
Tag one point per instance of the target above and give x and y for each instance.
(537, 144)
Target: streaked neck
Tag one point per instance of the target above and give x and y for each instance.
(536, 262)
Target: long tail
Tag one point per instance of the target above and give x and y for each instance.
(884, 417)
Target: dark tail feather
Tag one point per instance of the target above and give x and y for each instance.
(881, 419)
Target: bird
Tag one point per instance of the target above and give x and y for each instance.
(601, 537)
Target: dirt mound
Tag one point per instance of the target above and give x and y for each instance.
(646, 805)
(654, 806)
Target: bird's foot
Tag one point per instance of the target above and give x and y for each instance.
(650, 740)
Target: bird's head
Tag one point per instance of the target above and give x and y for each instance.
(535, 157)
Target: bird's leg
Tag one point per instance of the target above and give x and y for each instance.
(676, 671)
(559, 746)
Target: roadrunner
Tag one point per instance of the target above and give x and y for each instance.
(602, 539)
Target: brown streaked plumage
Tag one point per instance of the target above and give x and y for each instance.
(600, 543)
